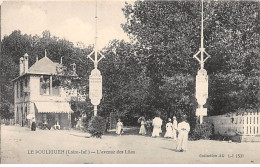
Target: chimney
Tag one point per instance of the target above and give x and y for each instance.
(36, 58)
(61, 59)
(26, 56)
(21, 66)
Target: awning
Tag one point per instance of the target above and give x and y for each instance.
(53, 107)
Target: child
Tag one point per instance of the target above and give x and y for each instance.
(169, 127)
(119, 127)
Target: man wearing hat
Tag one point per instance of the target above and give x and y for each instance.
(183, 129)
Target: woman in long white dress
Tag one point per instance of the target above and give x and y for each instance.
(119, 127)
(174, 128)
(142, 130)
(169, 127)
(157, 123)
(183, 129)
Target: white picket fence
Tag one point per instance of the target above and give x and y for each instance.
(246, 124)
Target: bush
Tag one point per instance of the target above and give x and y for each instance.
(129, 120)
(97, 126)
(85, 123)
(203, 131)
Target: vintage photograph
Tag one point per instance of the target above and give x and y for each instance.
(130, 82)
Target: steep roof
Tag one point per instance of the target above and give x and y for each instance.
(44, 66)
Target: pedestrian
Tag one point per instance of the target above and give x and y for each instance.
(174, 128)
(169, 127)
(33, 126)
(157, 123)
(183, 129)
(107, 125)
(149, 126)
(142, 130)
(119, 127)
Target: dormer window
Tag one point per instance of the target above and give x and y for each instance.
(45, 85)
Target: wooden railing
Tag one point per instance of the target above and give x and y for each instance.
(252, 124)
(247, 124)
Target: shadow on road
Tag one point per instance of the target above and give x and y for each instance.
(80, 135)
(171, 149)
(127, 131)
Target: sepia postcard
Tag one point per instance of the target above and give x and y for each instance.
(129, 82)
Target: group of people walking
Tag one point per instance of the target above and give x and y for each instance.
(172, 130)
(154, 127)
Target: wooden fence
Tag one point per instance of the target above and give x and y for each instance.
(246, 124)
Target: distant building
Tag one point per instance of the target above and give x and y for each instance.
(39, 94)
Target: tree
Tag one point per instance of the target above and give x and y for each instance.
(233, 39)
(16, 45)
(125, 84)
(169, 33)
(8, 71)
(166, 32)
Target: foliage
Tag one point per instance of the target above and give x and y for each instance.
(202, 131)
(169, 34)
(81, 108)
(166, 32)
(17, 44)
(97, 126)
(125, 85)
(6, 110)
(8, 71)
(233, 36)
(156, 70)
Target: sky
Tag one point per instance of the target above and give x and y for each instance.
(72, 20)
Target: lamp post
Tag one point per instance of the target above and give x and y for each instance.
(95, 79)
(201, 77)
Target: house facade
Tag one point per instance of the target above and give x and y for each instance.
(38, 94)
